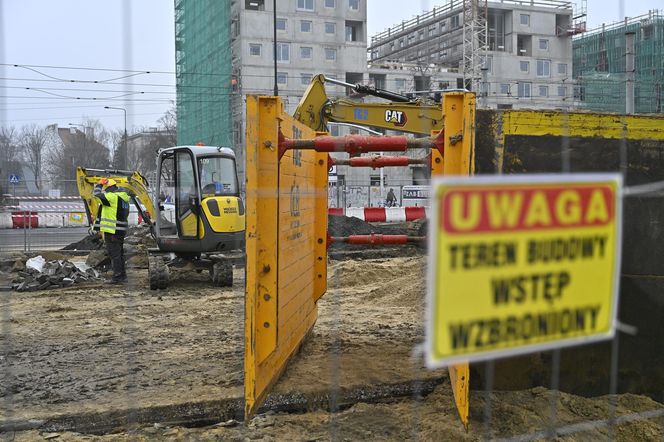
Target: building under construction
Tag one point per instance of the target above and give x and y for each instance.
(599, 65)
(203, 71)
(516, 53)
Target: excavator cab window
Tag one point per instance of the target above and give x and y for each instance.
(166, 204)
(186, 199)
(217, 175)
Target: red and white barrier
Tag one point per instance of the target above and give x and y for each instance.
(20, 219)
(382, 214)
(52, 207)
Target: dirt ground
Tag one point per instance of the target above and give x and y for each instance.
(92, 349)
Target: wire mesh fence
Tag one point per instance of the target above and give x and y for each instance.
(364, 352)
(96, 359)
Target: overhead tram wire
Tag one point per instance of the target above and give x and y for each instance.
(146, 71)
(69, 118)
(65, 107)
(44, 89)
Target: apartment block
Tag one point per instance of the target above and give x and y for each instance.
(524, 48)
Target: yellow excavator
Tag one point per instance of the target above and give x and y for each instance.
(417, 114)
(196, 214)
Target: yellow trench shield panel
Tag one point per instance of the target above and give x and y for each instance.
(286, 246)
(459, 159)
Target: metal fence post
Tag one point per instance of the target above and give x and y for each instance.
(29, 231)
(25, 234)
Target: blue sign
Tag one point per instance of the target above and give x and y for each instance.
(14, 179)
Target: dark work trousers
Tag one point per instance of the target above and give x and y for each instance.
(115, 249)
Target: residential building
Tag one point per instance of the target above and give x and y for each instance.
(600, 71)
(313, 36)
(519, 53)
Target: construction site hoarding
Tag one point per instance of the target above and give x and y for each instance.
(522, 264)
(286, 244)
(529, 142)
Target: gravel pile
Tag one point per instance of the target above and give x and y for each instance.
(339, 225)
(90, 242)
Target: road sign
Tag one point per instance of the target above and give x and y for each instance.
(14, 179)
(521, 264)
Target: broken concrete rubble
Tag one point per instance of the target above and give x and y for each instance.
(52, 274)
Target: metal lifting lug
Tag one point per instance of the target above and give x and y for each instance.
(454, 139)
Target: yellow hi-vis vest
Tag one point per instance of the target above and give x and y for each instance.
(114, 216)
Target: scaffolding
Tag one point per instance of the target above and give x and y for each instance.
(474, 41)
(203, 72)
(599, 65)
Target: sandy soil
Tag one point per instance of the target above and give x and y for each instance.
(94, 348)
(90, 348)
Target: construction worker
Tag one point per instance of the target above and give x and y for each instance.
(112, 222)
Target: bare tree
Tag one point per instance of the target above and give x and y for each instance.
(169, 122)
(9, 148)
(119, 151)
(116, 140)
(10, 154)
(73, 148)
(33, 142)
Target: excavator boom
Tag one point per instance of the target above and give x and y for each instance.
(133, 182)
(402, 113)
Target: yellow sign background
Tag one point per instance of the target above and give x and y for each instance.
(466, 322)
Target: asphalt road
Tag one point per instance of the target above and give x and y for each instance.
(40, 239)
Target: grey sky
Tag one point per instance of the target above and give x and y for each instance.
(89, 34)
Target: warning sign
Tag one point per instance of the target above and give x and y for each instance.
(521, 264)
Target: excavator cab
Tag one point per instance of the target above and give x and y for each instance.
(200, 214)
